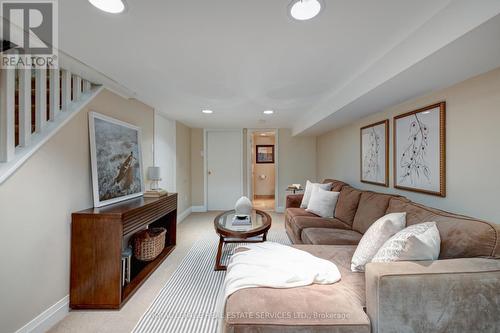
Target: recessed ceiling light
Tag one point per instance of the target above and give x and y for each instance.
(109, 6)
(305, 9)
(268, 112)
(207, 111)
(263, 134)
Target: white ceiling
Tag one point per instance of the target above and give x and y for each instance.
(241, 57)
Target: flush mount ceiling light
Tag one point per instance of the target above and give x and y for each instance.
(109, 6)
(268, 112)
(206, 111)
(303, 10)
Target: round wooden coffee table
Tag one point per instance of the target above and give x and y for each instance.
(229, 233)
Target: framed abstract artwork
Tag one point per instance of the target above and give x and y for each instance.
(116, 158)
(375, 153)
(420, 150)
(264, 153)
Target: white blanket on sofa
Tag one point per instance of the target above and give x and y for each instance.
(273, 265)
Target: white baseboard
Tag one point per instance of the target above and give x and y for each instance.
(198, 209)
(280, 209)
(193, 209)
(183, 215)
(48, 318)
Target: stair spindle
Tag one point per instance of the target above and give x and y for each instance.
(7, 107)
(41, 99)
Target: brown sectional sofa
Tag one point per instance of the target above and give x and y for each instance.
(458, 293)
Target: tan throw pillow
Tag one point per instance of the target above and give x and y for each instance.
(373, 239)
(308, 191)
(323, 202)
(417, 242)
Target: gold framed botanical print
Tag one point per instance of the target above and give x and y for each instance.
(374, 149)
(420, 150)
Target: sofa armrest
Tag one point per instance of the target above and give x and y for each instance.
(293, 200)
(455, 295)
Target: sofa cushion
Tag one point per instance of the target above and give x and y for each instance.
(294, 200)
(294, 212)
(290, 215)
(455, 295)
(375, 237)
(337, 185)
(336, 307)
(461, 236)
(347, 204)
(372, 206)
(310, 188)
(299, 223)
(418, 242)
(322, 203)
(322, 236)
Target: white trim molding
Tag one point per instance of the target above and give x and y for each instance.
(198, 209)
(165, 150)
(193, 209)
(182, 216)
(250, 156)
(48, 318)
(280, 209)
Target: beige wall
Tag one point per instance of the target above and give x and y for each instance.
(297, 161)
(263, 186)
(35, 211)
(473, 115)
(197, 181)
(183, 169)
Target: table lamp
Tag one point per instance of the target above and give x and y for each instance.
(154, 176)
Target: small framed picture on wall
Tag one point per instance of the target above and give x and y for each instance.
(264, 153)
(420, 150)
(375, 153)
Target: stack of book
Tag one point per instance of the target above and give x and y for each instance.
(155, 193)
(241, 222)
(126, 265)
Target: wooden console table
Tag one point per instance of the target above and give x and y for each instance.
(97, 240)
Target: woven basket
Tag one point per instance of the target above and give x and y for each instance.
(149, 243)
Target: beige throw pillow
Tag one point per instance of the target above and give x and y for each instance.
(308, 191)
(417, 242)
(323, 202)
(378, 233)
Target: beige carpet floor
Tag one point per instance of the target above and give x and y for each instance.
(188, 231)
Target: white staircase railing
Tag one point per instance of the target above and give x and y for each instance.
(57, 96)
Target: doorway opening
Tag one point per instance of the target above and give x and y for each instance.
(263, 169)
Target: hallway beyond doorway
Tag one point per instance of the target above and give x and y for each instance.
(263, 168)
(264, 202)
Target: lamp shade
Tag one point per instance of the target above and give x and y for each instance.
(154, 173)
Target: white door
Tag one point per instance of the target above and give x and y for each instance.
(224, 169)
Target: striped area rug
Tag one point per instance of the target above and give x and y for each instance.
(187, 301)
